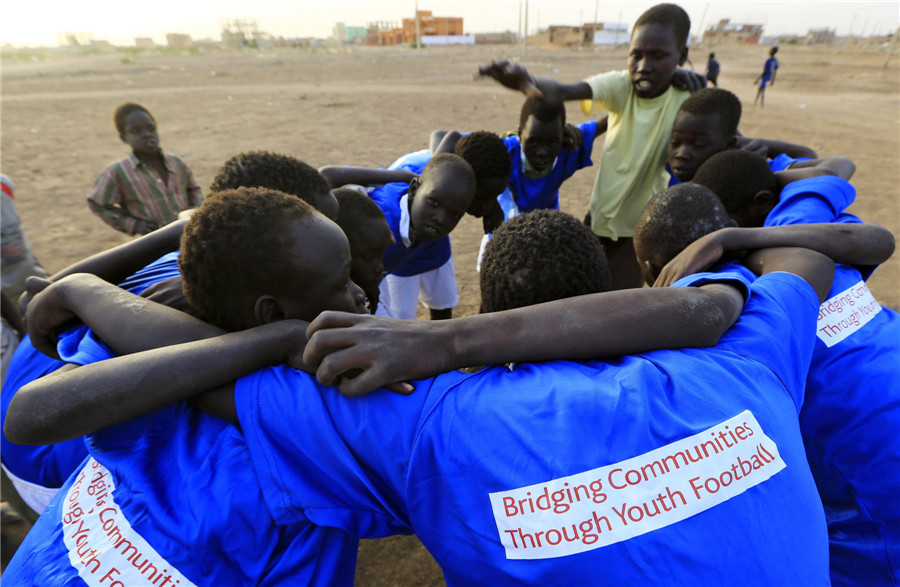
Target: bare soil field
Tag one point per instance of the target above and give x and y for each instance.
(370, 105)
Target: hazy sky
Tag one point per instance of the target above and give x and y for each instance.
(37, 22)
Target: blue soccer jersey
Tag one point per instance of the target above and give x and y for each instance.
(542, 193)
(851, 417)
(171, 498)
(401, 259)
(670, 467)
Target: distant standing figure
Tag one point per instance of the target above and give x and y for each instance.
(766, 76)
(147, 189)
(712, 70)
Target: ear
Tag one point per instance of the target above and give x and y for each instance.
(732, 142)
(684, 55)
(763, 201)
(267, 309)
(414, 184)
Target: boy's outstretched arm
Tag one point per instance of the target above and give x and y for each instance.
(66, 405)
(860, 245)
(516, 77)
(338, 175)
(586, 327)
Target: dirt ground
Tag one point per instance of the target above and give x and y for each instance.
(367, 107)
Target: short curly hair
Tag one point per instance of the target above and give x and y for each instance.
(233, 251)
(736, 176)
(670, 15)
(543, 111)
(674, 218)
(541, 256)
(715, 101)
(449, 162)
(486, 153)
(272, 171)
(122, 112)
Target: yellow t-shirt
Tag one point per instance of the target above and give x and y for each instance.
(633, 164)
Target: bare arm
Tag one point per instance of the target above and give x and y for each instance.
(854, 244)
(338, 175)
(839, 166)
(66, 405)
(447, 143)
(516, 77)
(116, 264)
(586, 327)
(814, 268)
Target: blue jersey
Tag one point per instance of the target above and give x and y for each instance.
(400, 259)
(49, 466)
(670, 467)
(769, 68)
(171, 498)
(542, 193)
(851, 417)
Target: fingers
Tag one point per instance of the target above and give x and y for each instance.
(320, 350)
(35, 285)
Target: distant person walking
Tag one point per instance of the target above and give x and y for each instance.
(712, 70)
(768, 75)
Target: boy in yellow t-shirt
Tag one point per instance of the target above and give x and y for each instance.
(642, 103)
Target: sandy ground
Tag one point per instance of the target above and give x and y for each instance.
(370, 105)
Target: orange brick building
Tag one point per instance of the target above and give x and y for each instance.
(429, 25)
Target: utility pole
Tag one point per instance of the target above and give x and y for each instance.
(526, 28)
(893, 44)
(418, 28)
(702, 18)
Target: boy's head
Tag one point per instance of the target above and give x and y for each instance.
(705, 124)
(673, 219)
(773, 51)
(440, 196)
(277, 172)
(541, 127)
(744, 183)
(658, 47)
(369, 235)
(712, 56)
(487, 154)
(251, 256)
(538, 257)
(137, 128)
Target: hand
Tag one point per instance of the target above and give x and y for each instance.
(145, 226)
(46, 313)
(757, 146)
(698, 256)
(512, 76)
(492, 218)
(377, 350)
(688, 80)
(572, 139)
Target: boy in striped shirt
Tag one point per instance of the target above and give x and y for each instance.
(147, 189)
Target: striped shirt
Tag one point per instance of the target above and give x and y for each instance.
(128, 191)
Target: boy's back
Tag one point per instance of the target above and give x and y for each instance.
(734, 498)
(852, 411)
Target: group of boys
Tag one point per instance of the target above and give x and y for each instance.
(203, 464)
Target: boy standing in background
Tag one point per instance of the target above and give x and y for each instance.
(147, 189)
